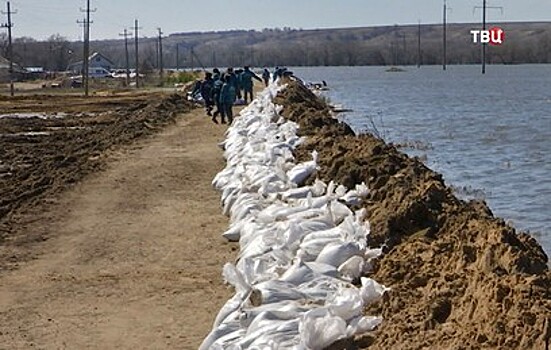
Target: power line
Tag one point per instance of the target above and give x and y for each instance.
(419, 58)
(484, 7)
(444, 36)
(125, 34)
(137, 70)
(177, 58)
(9, 25)
(86, 59)
(161, 72)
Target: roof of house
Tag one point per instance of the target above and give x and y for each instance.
(96, 54)
(4, 63)
(91, 58)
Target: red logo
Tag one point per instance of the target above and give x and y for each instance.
(494, 36)
(497, 36)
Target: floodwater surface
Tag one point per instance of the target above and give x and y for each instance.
(489, 135)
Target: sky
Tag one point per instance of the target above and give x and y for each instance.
(42, 18)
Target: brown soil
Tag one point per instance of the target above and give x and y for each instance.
(129, 257)
(70, 147)
(460, 278)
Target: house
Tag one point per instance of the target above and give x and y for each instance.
(96, 61)
(32, 73)
(5, 70)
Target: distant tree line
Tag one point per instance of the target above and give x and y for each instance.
(390, 45)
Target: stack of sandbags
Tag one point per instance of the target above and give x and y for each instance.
(302, 250)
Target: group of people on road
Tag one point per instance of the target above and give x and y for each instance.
(222, 90)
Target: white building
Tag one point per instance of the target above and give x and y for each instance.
(96, 61)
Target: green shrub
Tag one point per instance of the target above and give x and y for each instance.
(182, 77)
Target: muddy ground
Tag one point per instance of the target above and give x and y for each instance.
(460, 277)
(60, 140)
(130, 255)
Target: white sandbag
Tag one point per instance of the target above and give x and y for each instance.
(299, 246)
(339, 211)
(269, 334)
(235, 278)
(297, 273)
(371, 291)
(356, 196)
(319, 223)
(353, 267)
(299, 173)
(334, 233)
(347, 303)
(233, 234)
(229, 307)
(322, 269)
(219, 332)
(295, 193)
(227, 341)
(314, 247)
(335, 254)
(320, 332)
(362, 324)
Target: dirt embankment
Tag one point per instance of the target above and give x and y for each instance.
(66, 140)
(460, 278)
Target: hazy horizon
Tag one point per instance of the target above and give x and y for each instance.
(38, 19)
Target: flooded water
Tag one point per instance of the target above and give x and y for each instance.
(33, 115)
(490, 136)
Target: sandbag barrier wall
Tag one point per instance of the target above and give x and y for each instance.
(303, 252)
(459, 277)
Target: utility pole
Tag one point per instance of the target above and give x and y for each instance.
(125, 34)
(157, 54)
(444, 59)
(86, 59)
(419, 45)
(9, 25)
(192, 54)
(161, 68)
(483, 44)
(444, 36)
(136, 29)
(177, 58)
(484, 7)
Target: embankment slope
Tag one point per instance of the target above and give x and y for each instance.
(460, 278)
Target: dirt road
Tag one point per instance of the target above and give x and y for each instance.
(134, 255)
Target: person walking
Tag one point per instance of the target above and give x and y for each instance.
(247, 82)
(217, 88)
(266, 77)
(206, 92)
(227, 98)
(239, 86)
(234, 81)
